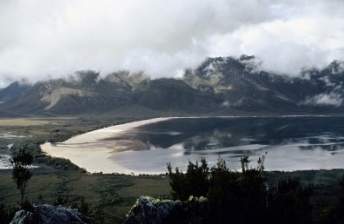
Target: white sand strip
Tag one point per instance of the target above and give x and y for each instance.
(92, 150)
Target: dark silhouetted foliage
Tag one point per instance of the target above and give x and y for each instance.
(194, 182)
(21, 174)
(335, 214)
(242, 197)
(289, 203)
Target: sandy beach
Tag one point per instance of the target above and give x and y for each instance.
(93, 150)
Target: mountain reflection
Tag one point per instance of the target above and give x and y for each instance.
(197, 135)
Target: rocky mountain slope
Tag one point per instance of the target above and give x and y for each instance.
(222, 85)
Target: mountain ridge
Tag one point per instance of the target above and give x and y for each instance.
(221, 85)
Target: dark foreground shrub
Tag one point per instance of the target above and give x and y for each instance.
(242, 197)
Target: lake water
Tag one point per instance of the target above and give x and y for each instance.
(6, 139)
(288, 143)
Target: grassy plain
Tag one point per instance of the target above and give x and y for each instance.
(59, 181)
(56, 180)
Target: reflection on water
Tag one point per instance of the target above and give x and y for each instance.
(5, 161)
(10, 135)
(289, 143)
(6, 139)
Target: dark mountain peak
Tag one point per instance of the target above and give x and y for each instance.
(223, 74)
(218, 85)
(87, 77)
(245, 57)
(210, 64)
(227, 66)
(16, 84)
(335, 67)
(13, 90)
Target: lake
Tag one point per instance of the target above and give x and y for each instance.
(287, 143)
(147, 146)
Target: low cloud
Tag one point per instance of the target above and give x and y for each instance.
(40, 39)
(331, 99)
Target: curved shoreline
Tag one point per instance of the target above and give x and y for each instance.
(102, 149)
(92, 151)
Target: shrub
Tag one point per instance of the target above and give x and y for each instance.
(242, 197)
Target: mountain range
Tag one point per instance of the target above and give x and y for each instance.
(221, 86)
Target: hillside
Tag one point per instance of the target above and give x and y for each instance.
(222, 85)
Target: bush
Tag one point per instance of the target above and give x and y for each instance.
(194, 182)
(21, 173)
(334, 214)
(289, 203)
(242, 197)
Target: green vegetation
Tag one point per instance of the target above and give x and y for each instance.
(256, 196)
(108, 197)
(24, 122)
(112, 195)
(21, 173)
(242, 197)
(58, 181)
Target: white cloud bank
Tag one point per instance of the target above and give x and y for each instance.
(330, 99)
(51, 38)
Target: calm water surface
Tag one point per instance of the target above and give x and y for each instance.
(288, 143)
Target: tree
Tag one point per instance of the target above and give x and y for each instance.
(21, 173)
(237, 197)
(243, 197)
(244, 163)
(194, 182)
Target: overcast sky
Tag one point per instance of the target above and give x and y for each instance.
(46, 38)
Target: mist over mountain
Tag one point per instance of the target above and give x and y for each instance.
(41, 40)
(221, 85)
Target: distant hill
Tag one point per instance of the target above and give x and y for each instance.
(222, 85)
